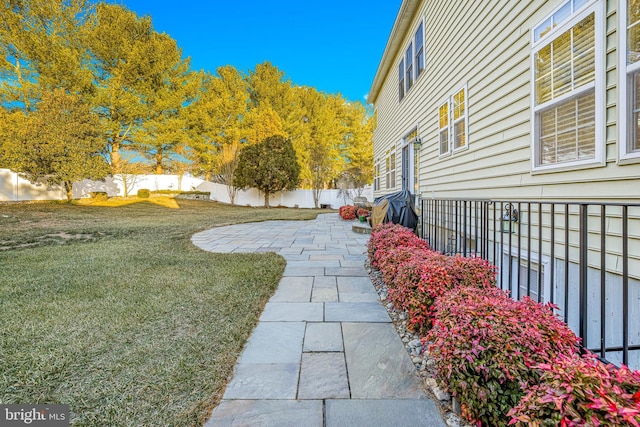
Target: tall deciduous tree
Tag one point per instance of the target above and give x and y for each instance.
(319, 144)
(357, 140)
(58, 143)
(270, 166)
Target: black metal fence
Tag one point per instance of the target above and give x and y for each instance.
(582, 257)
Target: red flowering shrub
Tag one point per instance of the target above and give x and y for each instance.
(389, 236)
(362, 212)
(486, 344)
(347, 212)
(580, 391)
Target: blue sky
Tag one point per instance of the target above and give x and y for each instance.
(332, 45)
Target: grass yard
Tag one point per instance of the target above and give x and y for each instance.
(112, 310)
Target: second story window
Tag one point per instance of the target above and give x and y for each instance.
(401, 79)
(409, 66)
(412, 63)
(419, 55)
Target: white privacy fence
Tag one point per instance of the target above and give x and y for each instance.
(14, 188)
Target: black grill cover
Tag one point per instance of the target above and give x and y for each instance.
(401, 209)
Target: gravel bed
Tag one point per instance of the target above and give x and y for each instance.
(425, 364)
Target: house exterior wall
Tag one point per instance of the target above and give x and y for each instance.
(487, 47)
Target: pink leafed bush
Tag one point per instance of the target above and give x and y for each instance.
(486, 346)
(390, 236)
(416, 285)
(580, 391)
(347, 212)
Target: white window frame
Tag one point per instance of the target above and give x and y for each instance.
(625, 155)
(409, 140)
(455, 149)
(401, 80)
(448, 129)
(597, 8)
(393, 160)
(388, 169)
(376, 178)
(420, 52)
(408, 68)
(452, 149)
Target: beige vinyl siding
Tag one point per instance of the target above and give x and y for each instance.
(487, 45)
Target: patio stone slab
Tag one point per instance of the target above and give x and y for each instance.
(325, 336)
(358, 297)
(383, 413)
(292, 312)
(314, 264)
(327, 257)
(346, 271)
(303, 271)
(292, 292)
(322, 376)
(324, 281)
(274, 342)
(263, 381)
(355, 284)
(324, 294)
(382, 370)
(356, 289)
(355, 312)
(266, 413)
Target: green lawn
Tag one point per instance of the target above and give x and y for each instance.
(122, 317)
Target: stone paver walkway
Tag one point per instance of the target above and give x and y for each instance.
(324, 352)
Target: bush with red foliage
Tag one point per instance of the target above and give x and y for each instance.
(347, 212)
(486, 346)
(386, 237)
(580, 391)
(416, 285)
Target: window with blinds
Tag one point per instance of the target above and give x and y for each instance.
(564, 85)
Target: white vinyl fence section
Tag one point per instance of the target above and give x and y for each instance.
(14, 188)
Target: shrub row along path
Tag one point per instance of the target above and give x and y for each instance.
(324, 352)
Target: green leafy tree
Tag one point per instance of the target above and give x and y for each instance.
(270, 166)
(58, 143)
(216, 125)
(126, 54)
(319, 142)
(43, 47)
(357, 143)
(164, 128)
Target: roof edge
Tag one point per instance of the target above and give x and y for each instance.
(400, 27)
